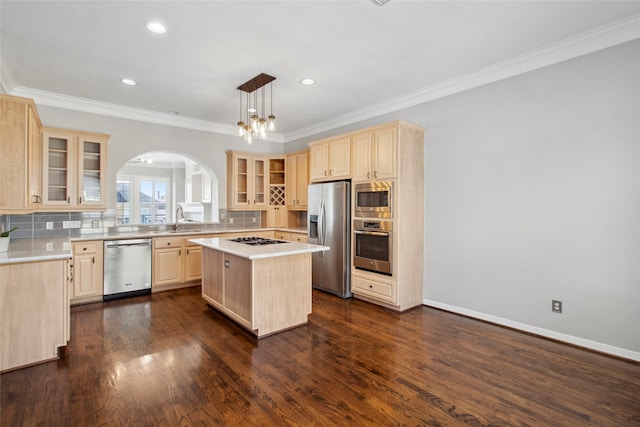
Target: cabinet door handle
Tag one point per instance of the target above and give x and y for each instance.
(325, 173)
(69, 200)
(93, 260)
(375, 174)
(330, 172)
(80, 200)
(187, 251)
(179, 252)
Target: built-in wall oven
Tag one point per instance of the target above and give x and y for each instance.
(373, 199)
(373, 246)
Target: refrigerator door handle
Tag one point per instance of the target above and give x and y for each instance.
(321, 224)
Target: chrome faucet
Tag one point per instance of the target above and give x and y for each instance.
(178, 210)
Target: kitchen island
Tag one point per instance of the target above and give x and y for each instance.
(264, 288)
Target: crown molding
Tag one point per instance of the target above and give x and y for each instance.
(6, 79)
(85, 105)
(610, 35)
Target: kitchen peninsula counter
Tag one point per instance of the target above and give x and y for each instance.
(265, 289)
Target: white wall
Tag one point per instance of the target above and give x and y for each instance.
(131, 138)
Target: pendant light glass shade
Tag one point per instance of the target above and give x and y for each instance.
(255, 123)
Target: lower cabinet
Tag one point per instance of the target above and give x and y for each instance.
(176, 263)
(292, 237)
(34, 312)
(88, 278)
(384, 291)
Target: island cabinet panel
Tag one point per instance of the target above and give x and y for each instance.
(34, 312)
(237, 290)
(213, 277)
(264, 295)
(281, 293)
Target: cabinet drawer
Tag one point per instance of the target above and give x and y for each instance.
(282, 236)
(301, 238)
(380, 290)
(86, 247)
(168, 242)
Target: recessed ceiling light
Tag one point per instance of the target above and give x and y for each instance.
(156, 27)
(307, 81)
(129, 82)
(251, 110)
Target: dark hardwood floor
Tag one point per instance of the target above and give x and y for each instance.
(168, 359)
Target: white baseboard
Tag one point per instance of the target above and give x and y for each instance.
(581, 342)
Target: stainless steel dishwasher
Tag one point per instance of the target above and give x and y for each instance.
(127, 268)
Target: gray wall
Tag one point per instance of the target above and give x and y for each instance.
(532, 193)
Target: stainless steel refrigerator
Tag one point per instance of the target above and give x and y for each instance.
(329, 224)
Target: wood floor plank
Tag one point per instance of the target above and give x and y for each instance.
(168, 359)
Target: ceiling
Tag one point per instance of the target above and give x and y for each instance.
(365, 58)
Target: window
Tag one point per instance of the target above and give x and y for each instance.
(153, 200)
(123, 201)
(142, 200)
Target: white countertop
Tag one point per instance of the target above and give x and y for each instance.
(53, 248)
(261, 251)
(43, 249)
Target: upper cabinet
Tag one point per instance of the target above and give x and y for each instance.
(375, 154)
(331, 159)
(246, 181)
(297, 180)
(74, 170)
(20, 156)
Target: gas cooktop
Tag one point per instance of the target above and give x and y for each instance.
(255, 241)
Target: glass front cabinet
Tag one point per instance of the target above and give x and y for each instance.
(74, 169)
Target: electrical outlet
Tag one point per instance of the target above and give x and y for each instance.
(48, 226)
(230, 220)
(253, 220)
(556, 306)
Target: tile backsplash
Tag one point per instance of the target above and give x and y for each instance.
(72, 224)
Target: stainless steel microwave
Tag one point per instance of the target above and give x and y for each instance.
(374, 199)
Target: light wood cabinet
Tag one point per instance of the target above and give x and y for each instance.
(263, 295)
(34, 312)
(74, 170)
(281, 235)
(20, 156)
(246, 181)
(88, 278)
(299, 237)
(375, 154)
(277, 216)
(330, 159)
(193, 262)
(394, 152)
(176, 263)
(277, 211)
(297, 180)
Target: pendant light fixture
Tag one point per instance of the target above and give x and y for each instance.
(256, 125)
